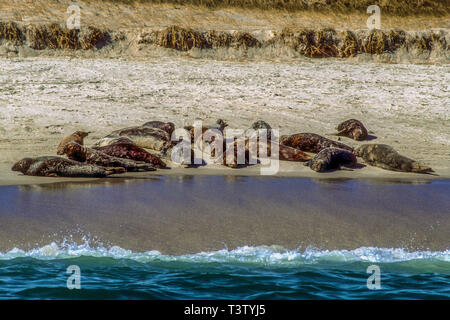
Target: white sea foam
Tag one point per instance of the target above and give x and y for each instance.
(265, 255)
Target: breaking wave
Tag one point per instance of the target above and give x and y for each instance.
(261, 255)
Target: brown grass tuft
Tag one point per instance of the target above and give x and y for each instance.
(179, 38)
(11, 32)
(350, 45)
(244, 40)
(56, 37)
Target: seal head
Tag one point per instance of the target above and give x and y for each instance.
(352, 128)
(77, 136)
(22, 165)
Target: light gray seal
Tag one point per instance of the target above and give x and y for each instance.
(385, 157)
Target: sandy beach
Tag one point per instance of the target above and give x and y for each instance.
(405, 106)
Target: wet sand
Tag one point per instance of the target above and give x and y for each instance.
(188, 214)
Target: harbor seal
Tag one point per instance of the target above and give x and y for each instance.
(331, 159)
(80, 153)
(311, 142)
(261, 124)
(112, 140)
(353, 129)
(77, 136)
(220, 125)
(385, 157)
(52, 166)
(146, 137)
(285, 153)
(168, 127)
(292, 154)
(132, 152)
(258, 125)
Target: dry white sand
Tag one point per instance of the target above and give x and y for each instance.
(405, 106)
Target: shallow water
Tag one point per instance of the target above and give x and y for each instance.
(226, 237)
(189, 214)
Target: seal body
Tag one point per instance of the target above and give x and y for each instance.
(112, 140)
(146, 137)
(311, 142)
(384, 156)
(353, 129)
(285, 153)
(77, 136)
(52, 166)
(80, 153)
(292, 154)
(331, 159)
(168, 127)
(132, 152)
(218, 127)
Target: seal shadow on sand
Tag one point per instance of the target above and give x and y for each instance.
(347, 168)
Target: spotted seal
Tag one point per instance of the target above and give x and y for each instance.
(168, 127)
(331, 159)
(311, 142)
(220, 125)
(52, 166)
(80, 153)
(132, 152)
(353, 129)
(261, 124)
(112, 140)
(385, 157)
(77, 136)
(146, 137)
(285, 153)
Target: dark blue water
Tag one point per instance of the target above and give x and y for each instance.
(246, 272)
(161, 278)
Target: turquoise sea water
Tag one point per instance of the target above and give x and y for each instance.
(245, 272)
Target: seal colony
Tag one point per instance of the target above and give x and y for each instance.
(143, 148)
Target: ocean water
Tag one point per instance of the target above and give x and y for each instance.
(124, 265)
(243, 273)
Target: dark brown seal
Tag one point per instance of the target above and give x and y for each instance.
(133, 152)
(52, 166)
(80, 153)
(77, 136)
(311, 142)
(331, 159)
(384, 156)
(353, 129)
(168, 127)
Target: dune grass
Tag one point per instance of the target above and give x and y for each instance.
(390, 7)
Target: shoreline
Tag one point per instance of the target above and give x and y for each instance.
(287, 170)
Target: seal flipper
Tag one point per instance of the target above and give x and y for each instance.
(341, 133)
(114, 170)
(418, 168)
(52, 175)
(345, 168)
